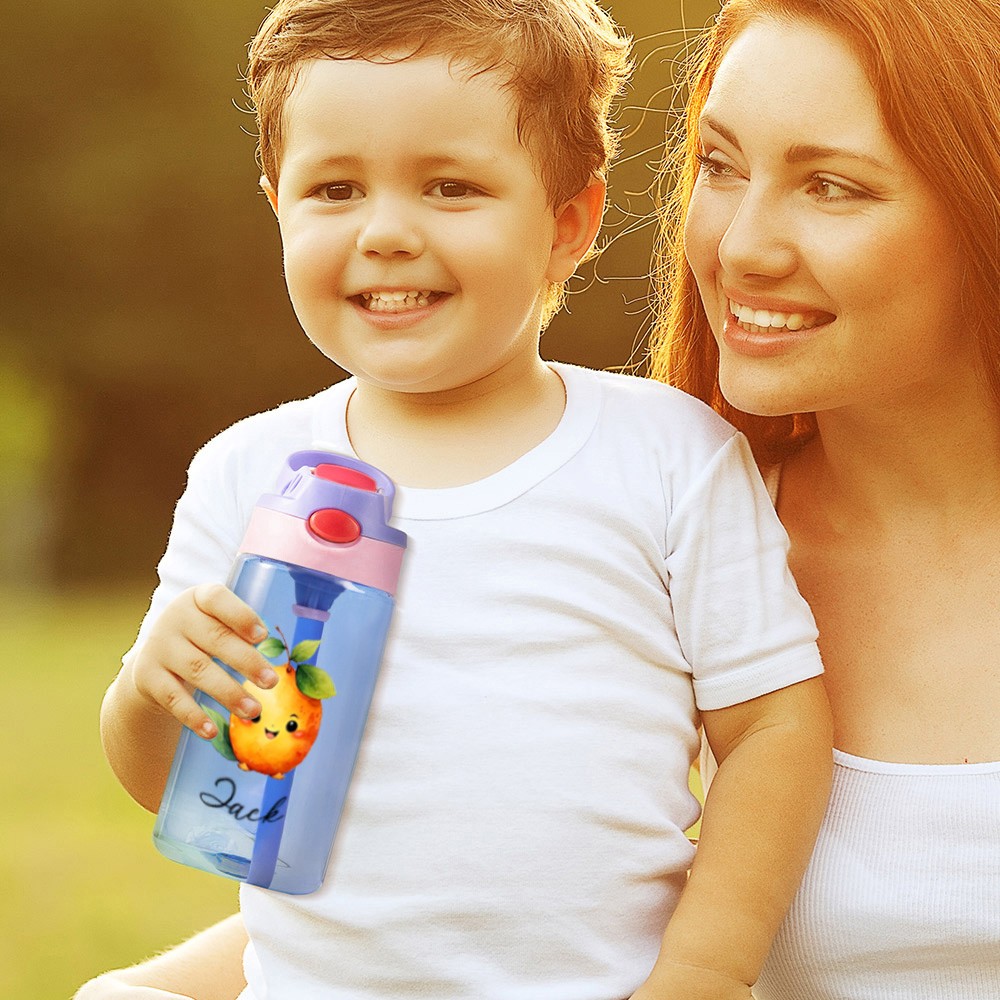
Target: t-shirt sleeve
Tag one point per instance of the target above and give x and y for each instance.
(205, 534)
(742, 624)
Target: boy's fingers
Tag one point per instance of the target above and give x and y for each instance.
(172, 689)
(213, 639)
(222, 604)
(229, 629)
(177, 700)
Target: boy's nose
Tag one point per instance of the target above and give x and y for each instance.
(387, 232)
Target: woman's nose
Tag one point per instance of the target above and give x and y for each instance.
(759, 240)
(388, 230)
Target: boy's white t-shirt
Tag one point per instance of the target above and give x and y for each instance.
(515, 825)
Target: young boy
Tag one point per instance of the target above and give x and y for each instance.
(594, 566)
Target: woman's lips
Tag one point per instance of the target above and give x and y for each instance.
(755, 341)
(760, 315)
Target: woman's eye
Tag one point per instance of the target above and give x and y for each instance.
(337, 192)
(712, 167)
(830, 190)
(453, 189)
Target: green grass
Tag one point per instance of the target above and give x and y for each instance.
(83, 889)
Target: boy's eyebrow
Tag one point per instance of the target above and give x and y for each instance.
(474, 159)
(348, 162)
(468, 158)
(801, 152)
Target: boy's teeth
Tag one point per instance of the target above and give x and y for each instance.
(396, 301)
(763, 319)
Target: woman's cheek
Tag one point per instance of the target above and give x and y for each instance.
(703, 230)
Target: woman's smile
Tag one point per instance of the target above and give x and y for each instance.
(760, 320)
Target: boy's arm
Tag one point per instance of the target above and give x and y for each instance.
(138, 739)
(208, 966)
(760, 821)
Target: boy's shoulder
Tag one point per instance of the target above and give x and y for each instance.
(658, 409)
(261, 441)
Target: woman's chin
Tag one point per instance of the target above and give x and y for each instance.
(761, 400)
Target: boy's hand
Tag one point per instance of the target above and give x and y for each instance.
(674, 981)
(177, 658)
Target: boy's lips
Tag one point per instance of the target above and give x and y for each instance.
(396, 300)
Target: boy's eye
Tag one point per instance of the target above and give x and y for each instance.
(453, 189)
(337, 192)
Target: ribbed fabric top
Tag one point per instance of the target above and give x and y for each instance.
(902, 898)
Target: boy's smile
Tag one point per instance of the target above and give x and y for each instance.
(418, 236)
(394, 301)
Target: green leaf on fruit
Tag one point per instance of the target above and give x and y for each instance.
(313, 682)
(271, 648)
(221, 741)
(304, 651)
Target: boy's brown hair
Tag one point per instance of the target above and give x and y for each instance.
(564, 60)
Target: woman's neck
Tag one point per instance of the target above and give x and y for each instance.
(936, 459)
(894, 522)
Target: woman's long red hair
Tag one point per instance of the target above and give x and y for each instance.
(934, 67)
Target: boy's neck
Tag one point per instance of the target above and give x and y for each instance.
(452, 438)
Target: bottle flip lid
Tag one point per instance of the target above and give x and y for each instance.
(332, 493)
(330, 514)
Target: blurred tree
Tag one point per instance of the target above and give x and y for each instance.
(141, 280)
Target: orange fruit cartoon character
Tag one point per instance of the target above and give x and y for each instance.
(284, 732)
(291, 712)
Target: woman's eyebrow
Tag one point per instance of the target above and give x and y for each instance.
(717, 126)
(800, 152)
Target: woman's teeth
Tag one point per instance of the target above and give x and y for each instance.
(762, 320)
(394, 302)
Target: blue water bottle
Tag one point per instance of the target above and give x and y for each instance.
(319, 563)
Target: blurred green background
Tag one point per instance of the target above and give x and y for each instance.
(142, 309)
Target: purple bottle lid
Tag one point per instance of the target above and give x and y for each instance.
(317, 482)
(330, 514)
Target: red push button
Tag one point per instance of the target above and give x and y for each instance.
(346, 477)
(334, 525)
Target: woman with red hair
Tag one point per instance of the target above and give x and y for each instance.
(829, 280)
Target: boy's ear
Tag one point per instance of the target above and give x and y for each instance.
(271, 191)
(577, 223)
